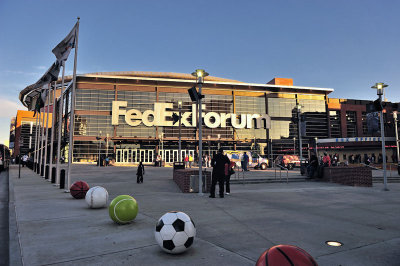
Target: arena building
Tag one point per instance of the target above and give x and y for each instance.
(129, 116)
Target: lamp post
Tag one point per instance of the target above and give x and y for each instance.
(397, 134)
(180, 145)
(294, 146)
(200, 74)
(298, 109)
(379, 90)
(162, 147)
(99, 139)
(209, 151)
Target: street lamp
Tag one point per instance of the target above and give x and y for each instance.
(200, 74)
(180, 147)
(379, 90)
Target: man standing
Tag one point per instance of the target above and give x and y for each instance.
(218, 174)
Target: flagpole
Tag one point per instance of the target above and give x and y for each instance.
(36, 135)
(38, 141)
(41, 144)
(72, 113)
(52, 131)
(47, 128)
(60, 123)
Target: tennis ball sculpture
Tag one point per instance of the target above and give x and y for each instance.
(123, 209)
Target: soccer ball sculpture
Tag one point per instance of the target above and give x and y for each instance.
(123, 209)
(283, 255)
(97, 197)
(78, 189)
(175, 232)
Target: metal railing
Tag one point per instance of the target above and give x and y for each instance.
(280, 172)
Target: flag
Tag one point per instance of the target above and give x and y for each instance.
(62, 50)
(39, 104)
(50, 75)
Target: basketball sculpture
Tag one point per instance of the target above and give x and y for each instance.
(123, 209)
(78, 189)
(175, 232)
(97, 197)
(283, 255)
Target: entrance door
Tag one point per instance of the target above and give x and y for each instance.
(175, 156)
(167, 156)
(119, 156)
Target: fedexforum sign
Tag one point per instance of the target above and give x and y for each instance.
(162, 116)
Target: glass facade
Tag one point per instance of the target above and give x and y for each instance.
(334, 118)
(132, 143)
(351, 122)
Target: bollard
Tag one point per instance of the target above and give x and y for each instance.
(42, 170)
(37, 169)
(47, 172)
(62, 179)
(53, 175)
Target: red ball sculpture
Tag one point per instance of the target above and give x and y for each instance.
(283, 255)
(78, 189)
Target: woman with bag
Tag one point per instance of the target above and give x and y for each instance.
(228, 172)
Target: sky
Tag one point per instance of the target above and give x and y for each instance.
(344, 45)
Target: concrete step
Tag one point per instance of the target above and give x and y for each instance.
(389, 179)
(266, 180)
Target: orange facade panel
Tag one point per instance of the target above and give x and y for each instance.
(281, 81)
(334, 104)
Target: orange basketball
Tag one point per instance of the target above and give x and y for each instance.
(283, 255)
(78, 189)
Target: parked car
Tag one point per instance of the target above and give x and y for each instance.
(290, 161)
(255, 160)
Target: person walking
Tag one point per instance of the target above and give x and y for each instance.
(245, 160)
(24, 160)
(218, 174)
(140, 173)
(190, 160)
(187, 161)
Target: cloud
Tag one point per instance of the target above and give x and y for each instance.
(9, 108)
(19, 72)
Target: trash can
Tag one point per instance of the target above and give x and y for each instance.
(179, 165)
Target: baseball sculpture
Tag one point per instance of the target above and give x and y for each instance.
(97, 197)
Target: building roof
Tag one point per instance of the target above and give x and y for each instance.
(27, 95)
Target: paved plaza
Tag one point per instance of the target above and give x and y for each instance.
(49, 227)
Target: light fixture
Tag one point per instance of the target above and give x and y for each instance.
(200, 74)
(379, 86)
(334, 243)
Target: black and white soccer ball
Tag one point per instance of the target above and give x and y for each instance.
(175, 232)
